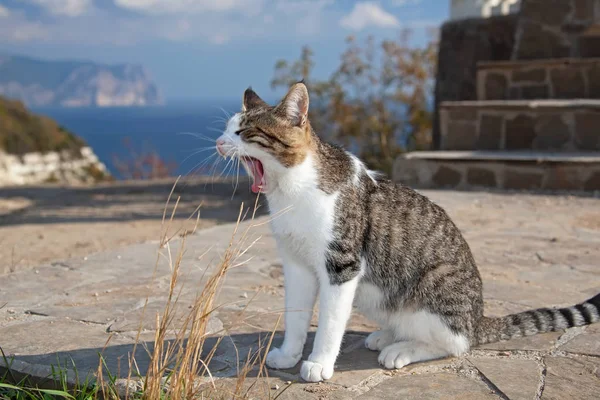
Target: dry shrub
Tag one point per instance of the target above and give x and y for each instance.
(142, 164)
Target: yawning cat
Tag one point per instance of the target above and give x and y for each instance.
(356, 238)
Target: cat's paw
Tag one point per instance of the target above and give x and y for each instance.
(278, 359)
(315, 372)
(379, 340)
(396, 355)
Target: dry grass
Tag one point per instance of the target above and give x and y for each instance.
(179, 367)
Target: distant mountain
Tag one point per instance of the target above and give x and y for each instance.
(41, 83)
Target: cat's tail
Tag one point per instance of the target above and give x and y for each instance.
(542, 320)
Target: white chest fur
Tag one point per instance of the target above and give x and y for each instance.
(302, 216)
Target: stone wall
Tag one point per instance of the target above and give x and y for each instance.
(526, 174)
(65, 167)
(556, 126)
(462, 45)
(548, 79)
(557, 29)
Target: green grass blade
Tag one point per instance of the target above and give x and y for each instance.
(58, 393)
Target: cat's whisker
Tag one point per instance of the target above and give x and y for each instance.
(201, 164)
(213, 129)
(198, 136)
(227, 113)
(196, 152)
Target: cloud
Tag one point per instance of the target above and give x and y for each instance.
(400, 3)
(69, 8)
(157, 7)
(132, 22)
(367, 14)
(17, 30)
(4, 11)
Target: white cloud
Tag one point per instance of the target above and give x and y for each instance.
(215, 22)
(367, 14)
(157, 7)
(401, 3)
(4, 11)
(69, 8)
(16, 30)
(301, 6)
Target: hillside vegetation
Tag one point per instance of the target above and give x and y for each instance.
(23, 132)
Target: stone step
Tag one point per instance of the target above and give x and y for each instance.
(521, 170)
(556, 125)
(559, 78)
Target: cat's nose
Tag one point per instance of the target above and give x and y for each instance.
(221, 147)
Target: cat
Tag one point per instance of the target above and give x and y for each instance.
(358, 239)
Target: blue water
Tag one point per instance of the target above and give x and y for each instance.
(165, 130)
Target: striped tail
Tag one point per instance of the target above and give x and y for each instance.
(542, 320)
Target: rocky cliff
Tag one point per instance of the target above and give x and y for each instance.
(34, 149)
(76, 84)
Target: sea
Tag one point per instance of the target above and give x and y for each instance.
(182, 134)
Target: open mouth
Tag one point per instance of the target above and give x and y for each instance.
(255, 168)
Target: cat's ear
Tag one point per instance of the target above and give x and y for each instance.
(294, 105)
(252, 100)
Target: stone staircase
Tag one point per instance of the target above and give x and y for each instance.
(536, 122)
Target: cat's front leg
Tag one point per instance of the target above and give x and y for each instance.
(335, 307)
(300, 294)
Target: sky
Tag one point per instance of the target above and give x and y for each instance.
(201, 49)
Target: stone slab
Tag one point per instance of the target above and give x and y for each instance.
(573, 378)
(426, 387)
(588, 343)
(517, 379)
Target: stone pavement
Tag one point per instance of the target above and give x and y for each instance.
(532, 250)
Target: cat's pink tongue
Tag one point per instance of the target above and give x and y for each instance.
(258, 176)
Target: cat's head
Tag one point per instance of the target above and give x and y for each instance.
(266, 139)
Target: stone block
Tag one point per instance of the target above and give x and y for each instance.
(412, 171)
(552, 132)
(588, 46)
(547, 12)
(446, 176)
(520, 132)
(490, 133)
(537, 75)
(534, 92)
(496, 86)
(593, 182)
(517, 379)
(568, 83)
(584, 9)
(593, 79)
(522, 180)
(460, 136)
(561, 177)
(538, 43)
(514, 93)
(576, 378)
(481, 177)
(587, 130)
(463, 114)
